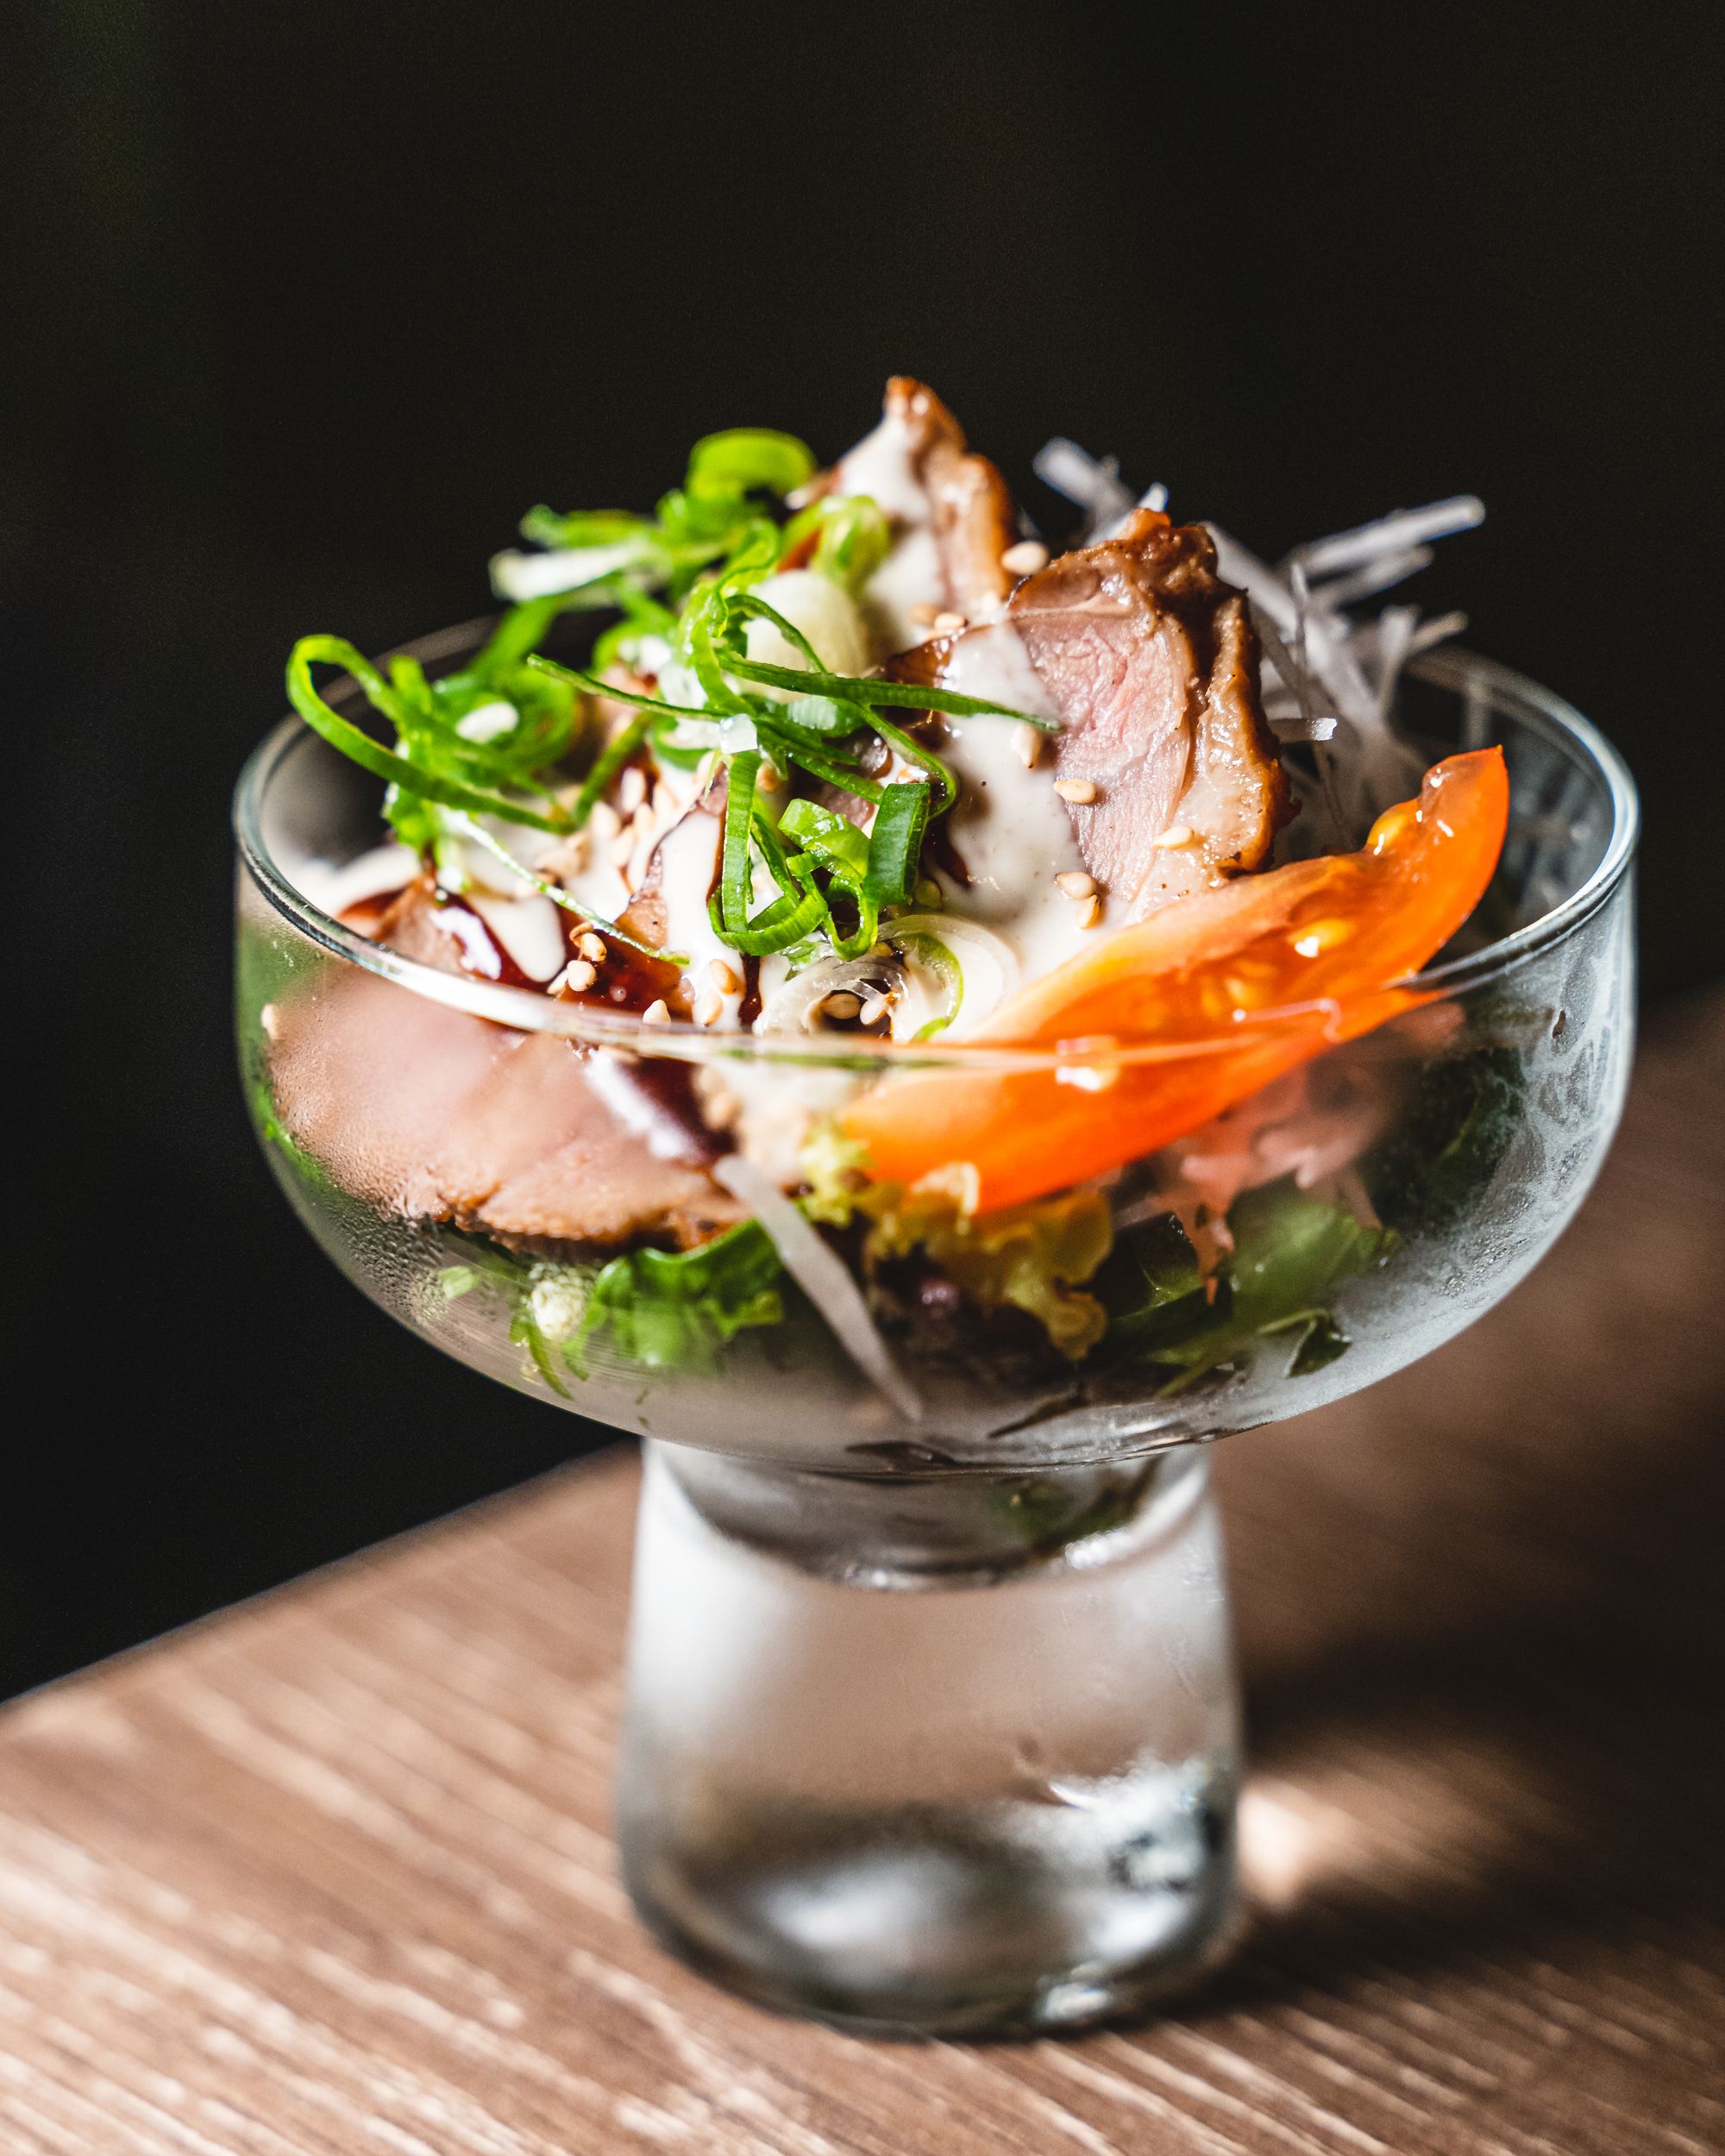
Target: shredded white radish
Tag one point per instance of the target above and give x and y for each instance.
(821, 1274)
(1321, 657)
(1093, 482)
(1238, 564)
(1401, 529)
(1375, 576)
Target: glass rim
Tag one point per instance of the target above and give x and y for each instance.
(527, 1009)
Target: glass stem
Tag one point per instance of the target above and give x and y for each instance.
(932, 1752)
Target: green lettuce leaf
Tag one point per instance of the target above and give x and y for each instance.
(1291, 1252)
(667, 1310)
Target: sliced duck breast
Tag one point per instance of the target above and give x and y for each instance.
(429, 1113)
(1151, 663)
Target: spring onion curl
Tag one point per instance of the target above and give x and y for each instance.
(594, 684)
(354, 742)
(895, 844)
(848, 688)
(781, 724)
(852, 537)
(942, 781)
(601, 556)
(734, 875)
(747, 460)
(834, 843)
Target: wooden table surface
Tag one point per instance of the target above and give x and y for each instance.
(331, 1873)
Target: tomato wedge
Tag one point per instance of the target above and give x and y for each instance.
(1238, 985)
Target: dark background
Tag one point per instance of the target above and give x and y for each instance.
(310, 302)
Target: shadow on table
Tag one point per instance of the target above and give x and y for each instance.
(1480, 1605)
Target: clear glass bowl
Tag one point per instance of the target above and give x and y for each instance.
(932, 1720)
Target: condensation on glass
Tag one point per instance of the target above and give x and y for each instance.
(934, 1725)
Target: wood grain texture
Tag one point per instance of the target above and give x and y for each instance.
(330, 1874)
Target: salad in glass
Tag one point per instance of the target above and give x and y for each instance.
(920, 1024)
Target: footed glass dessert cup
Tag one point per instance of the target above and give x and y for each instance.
(932, 1719)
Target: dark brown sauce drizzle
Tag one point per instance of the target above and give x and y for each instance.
(482, 953)
(627, 980)
(670, 1086)
(365, 915)
(749, 1009)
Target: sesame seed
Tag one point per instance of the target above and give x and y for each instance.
(1079, 790)
(1090, 911)
(591, 946)
(658, 1013)
(577, 976)
(925, 615)
(841, 1003)
(1075, 884)
(769, 780)
(631, 790)
(709, 1008)
(1175, 834)
(604, 822)
(1027, 740)
(722, 977)
(664, 804)
(944, 625)
(622, 846)
(1026, 558)
(874, 1010)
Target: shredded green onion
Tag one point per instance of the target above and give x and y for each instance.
(852, 689)
(748, 459)
(735, 880)
(895, 843)
(940, 774)
(828, 837)
(400, 771)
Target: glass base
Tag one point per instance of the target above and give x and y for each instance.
(932, 1754)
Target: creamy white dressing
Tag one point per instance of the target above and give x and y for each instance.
(910, 578)
(598, 886)
(688, 863)
(528, 928)
(883, 465)
(1010, 828)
